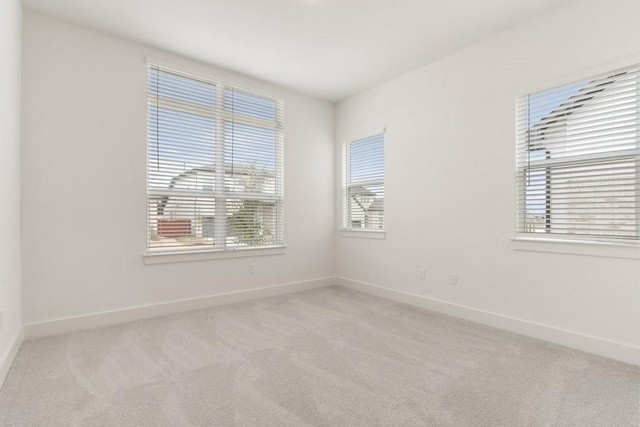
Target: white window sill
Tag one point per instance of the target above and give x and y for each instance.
(599, 249)
(163, 257)
(363, 234)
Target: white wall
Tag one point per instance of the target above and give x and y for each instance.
(83, 181)
(449, 189)
(450, 196)
(10, 290)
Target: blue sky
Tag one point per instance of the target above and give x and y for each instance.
(367, 159)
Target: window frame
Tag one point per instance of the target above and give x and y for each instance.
(608, 246)
(346, 230)
(221, 194)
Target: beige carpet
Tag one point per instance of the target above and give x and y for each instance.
(324, 357)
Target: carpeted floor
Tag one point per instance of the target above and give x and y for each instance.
(323, 357)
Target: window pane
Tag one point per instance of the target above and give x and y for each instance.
(180, 147)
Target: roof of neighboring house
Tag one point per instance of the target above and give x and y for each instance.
(574, 103)
(236, 170)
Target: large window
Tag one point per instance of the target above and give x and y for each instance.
(578, 159)
(363, 183)
(215, 173)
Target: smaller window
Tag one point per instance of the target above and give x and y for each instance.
(363, 183)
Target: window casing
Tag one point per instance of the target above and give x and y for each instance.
(363, 184)
(214, 165)
(578, 160)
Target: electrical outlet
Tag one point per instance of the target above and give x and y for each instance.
(1, 319)
(453, 279)
(422, 274)
(252, 268)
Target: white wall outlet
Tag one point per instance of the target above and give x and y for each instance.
(453, 279)
(1, 319)
(252, 268)
(422, 274)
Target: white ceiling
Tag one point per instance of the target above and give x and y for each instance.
(327, 48)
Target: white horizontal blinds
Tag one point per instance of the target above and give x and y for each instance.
(253, 161)
(214, 164)
(181, 160)
(363, 163)
(578, 156)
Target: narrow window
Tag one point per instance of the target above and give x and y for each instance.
(363, 183)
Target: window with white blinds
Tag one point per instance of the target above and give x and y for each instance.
(214, 165)
(363, 183)
(578, 159)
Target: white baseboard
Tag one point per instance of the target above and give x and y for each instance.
(575, 340)
(602, 347)
(109, 318)
(8, 357)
